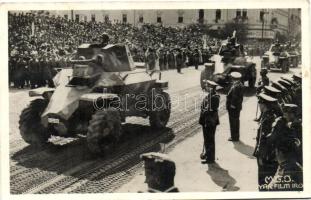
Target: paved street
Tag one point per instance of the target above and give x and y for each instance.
(67, 166)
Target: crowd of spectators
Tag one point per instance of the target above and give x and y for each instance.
(40, 43)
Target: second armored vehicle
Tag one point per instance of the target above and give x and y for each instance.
(276, 58)
(230, 57)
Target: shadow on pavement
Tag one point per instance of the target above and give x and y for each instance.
(244, 149)
(222, 178)
(62, 158)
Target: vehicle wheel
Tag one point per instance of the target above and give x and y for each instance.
(160, 111)
(104, 131)
(31, 129)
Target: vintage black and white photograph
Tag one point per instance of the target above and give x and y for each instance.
(155, 100)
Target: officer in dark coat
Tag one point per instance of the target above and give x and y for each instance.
(286, 144)
(234, 105)
(266, 163)
(209, 120)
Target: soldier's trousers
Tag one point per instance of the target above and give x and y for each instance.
(234, 120)
(266, 171)
(209, 141)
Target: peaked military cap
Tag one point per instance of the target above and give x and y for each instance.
(297, 77)
(289, 107)
(208, 64)
(291, 83)
(212, 83)
(278, 86)
(272, 89)
(235, 75)
(288, 79)
(266, 98)
(284, 83)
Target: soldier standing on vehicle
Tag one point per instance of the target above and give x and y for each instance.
(104, 40)
(266, 163)
(286, 143)
(234, 105)
(209, 120)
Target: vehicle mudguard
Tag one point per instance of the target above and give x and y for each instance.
(42, 91)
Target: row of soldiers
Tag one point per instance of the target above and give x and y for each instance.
(177, 58)
(31, 71)
(279, 137)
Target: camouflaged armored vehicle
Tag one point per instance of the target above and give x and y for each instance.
(293, 55)
(276, 58)
(94, 97)
(229, 58)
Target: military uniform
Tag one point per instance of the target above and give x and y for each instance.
(266, 163)
(284, 92)
(209, 120)
(297, 91)
(286, 145)
(234, 106)
(264, 80)
(196, 58)
(179, 61)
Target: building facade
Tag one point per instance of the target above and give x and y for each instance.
(262, 23)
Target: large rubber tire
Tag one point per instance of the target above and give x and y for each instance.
(104, 131)
(160, 112)
(31, 129)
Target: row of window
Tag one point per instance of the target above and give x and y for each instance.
(124, 18)
(239, 14)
